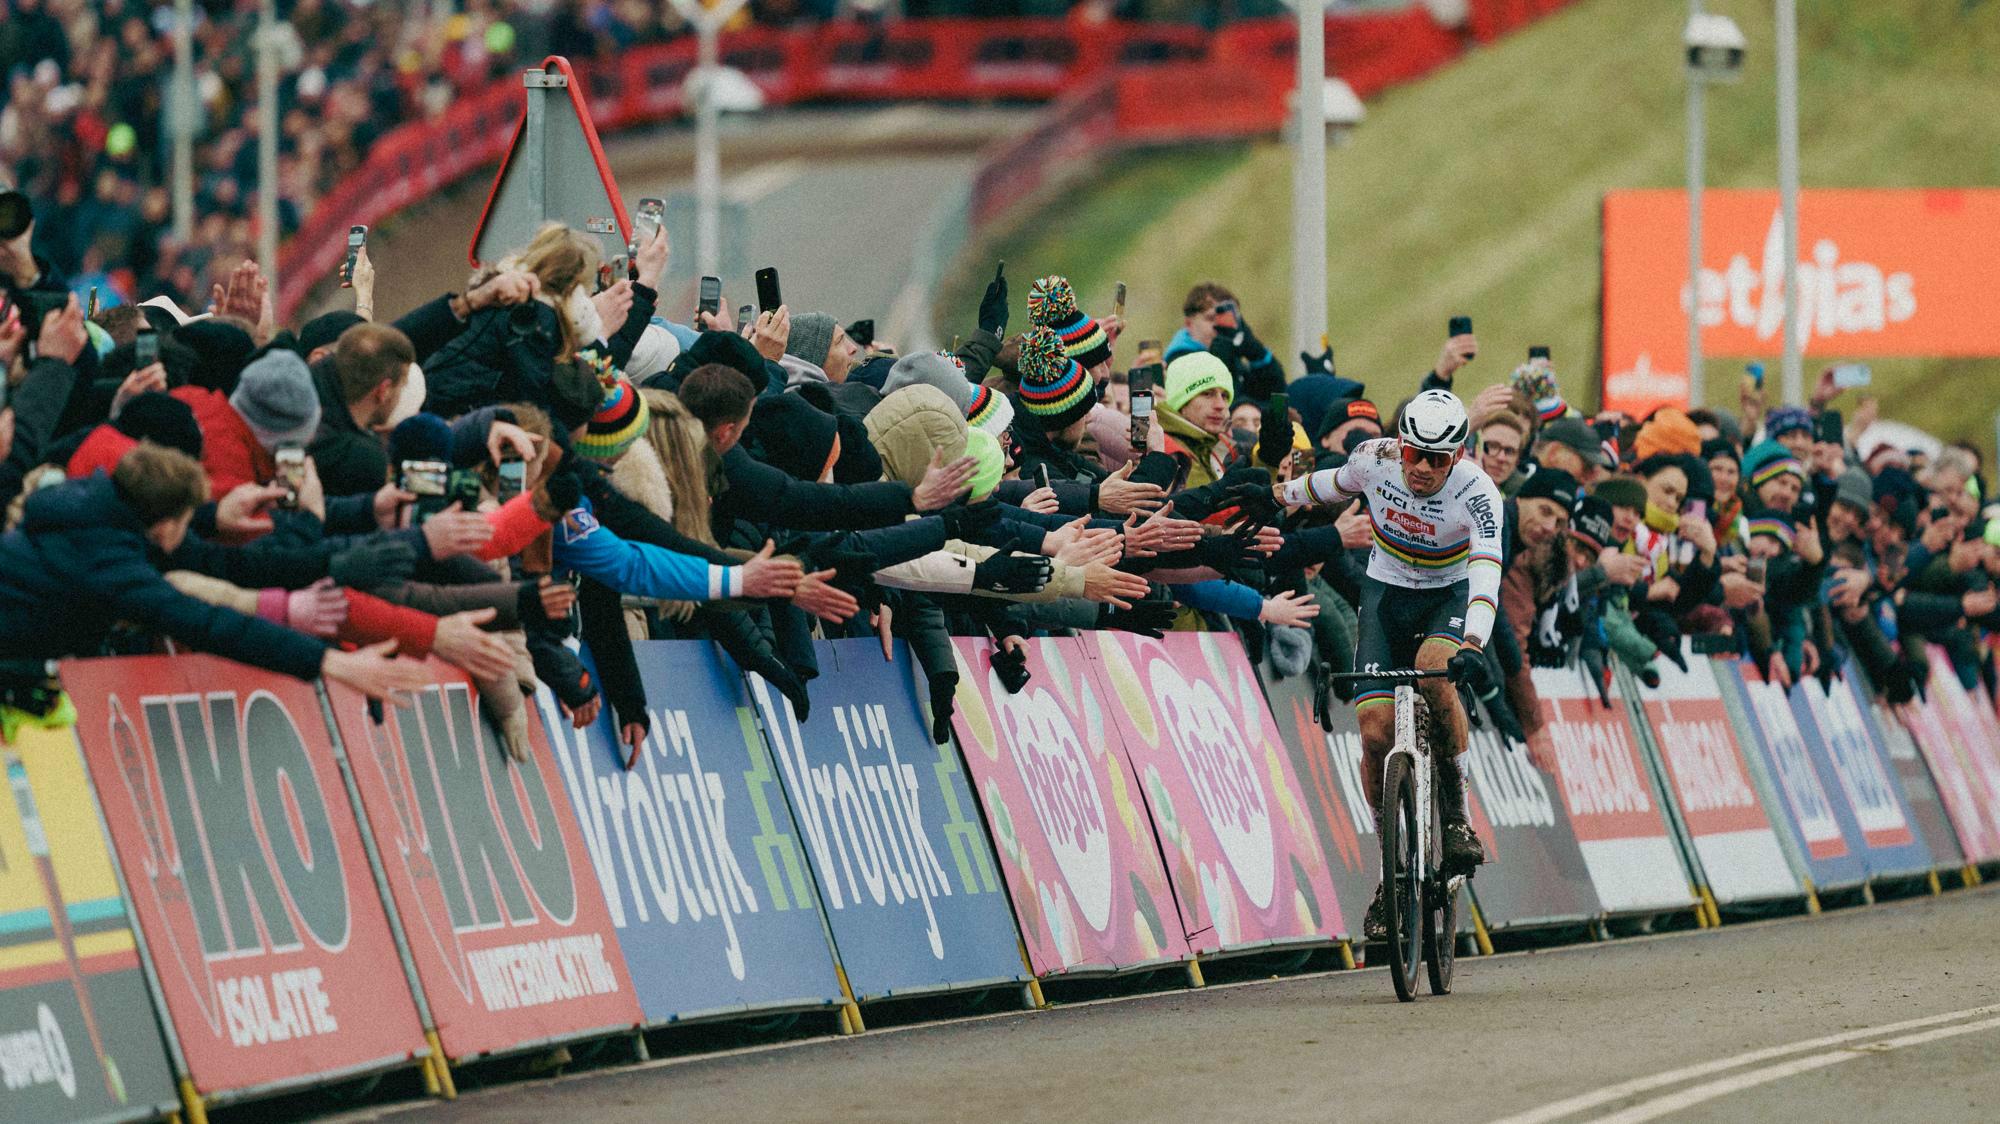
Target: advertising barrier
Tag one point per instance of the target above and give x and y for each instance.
(1963, 756)
(1328, 768)
(1881, 272)
(77, 1036)
(1873, 812)
(1920, 792)
(694, 847)
(1794, 791)
(1731, 833)
(507, 928)
(905, 876)
(1232, 822)
(1612, 803)
(246, 869)
(1535, 873)
(1066, 815)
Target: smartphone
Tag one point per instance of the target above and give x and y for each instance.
(1225, 314)
(462, 488)
(1696, 509)
(1118, 301)
(1847, 376)
(769, 297)
(710, 300)
(1756, 373)
(1140, 383)
(1042, 475)
(291, 473)
(145, 348)
(429, 481)
(512, 478)
(1149, 345)
(745, 313)
(1756, 570)
(1539, 351)
(604, 275)
(357, 237)
(1460, 326)
(90, 308)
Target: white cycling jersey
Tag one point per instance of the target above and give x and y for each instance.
(1421, 542)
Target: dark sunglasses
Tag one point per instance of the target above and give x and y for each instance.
(1414, 456)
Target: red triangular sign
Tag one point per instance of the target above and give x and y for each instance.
(547, 174)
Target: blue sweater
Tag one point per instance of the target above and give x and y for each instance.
(587, 547)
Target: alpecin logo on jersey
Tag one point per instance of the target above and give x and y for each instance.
(1408, 523)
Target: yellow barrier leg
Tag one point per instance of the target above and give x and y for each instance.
(1937, 887)
(1714, 910)
(441, 1068)
(429, 1070)
(1970, 875)
(850, 1012)
(1347, 956)
(191, 1103)
(1700, 905)
(1812, 896)
(1480, 936)
(1194, 972)
(1033, 988)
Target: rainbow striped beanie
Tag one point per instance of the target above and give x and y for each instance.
(1052, 305)
(1055, 389)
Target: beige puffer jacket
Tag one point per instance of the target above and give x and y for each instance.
(907, 429)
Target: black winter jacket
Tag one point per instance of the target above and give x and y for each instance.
(80, 563)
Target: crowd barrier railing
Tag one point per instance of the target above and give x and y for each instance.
(1133, 79)
(233, 884)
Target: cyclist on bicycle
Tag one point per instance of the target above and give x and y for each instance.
(1428, 599)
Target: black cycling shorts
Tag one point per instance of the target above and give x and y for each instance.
(1395, 621)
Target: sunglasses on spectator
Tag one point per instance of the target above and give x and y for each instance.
(1414, 456)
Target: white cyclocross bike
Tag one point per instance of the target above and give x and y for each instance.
(1419, 900)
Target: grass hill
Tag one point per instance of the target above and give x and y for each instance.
(1478, 189)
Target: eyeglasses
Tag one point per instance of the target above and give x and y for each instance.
(1499, 449)
(1413, 456)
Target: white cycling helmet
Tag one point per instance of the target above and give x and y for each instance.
(1435, 420)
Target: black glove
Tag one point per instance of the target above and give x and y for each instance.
(993, 306)
(557, 666)
(375, 562)
(564, 491)
(970, 522)
(852, 568)
(1248, 345)
(1255, 501)
(1665, 635)
(1147, 618)
(1221, 553)
(1011, 665)
(1469, 666)
(789, 685)
(1502, 717)
(944, 687)
(1650, 676)
(1322, 689)
(1274, 439)
(1008, 572)
(1321, 363)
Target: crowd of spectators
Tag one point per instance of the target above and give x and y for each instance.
(546, 466)
(84, 123)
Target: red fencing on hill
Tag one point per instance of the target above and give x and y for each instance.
(1114, 82)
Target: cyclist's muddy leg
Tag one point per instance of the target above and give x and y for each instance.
(1376, 715)
(1447, 732)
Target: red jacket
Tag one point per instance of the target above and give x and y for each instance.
(230, 452)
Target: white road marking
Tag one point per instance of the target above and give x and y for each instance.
(1661, 1106)
(1584, 1101)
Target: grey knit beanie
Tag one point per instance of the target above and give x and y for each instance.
(812, 337)
(277, 399)
(932, 368)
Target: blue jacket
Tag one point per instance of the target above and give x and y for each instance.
(587, 547)
(80, 562)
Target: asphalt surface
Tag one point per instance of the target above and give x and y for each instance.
(1520, 1032)
(853, 206)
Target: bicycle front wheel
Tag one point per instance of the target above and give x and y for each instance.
(1402, 876)
(1441, 933)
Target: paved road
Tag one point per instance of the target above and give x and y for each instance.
(1521, 1032)
(843, 202)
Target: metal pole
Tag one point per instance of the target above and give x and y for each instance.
(707, 153)
(1697, 156)
(1309, 310)
(1788, 192)
(267, 140)
(181, 91)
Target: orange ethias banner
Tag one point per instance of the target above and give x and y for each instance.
(1881, 272)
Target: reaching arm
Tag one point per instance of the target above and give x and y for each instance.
(641, 569)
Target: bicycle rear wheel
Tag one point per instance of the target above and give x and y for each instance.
(1402, 876)
(1441, 932)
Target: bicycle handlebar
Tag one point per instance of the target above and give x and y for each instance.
(1403, 673)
